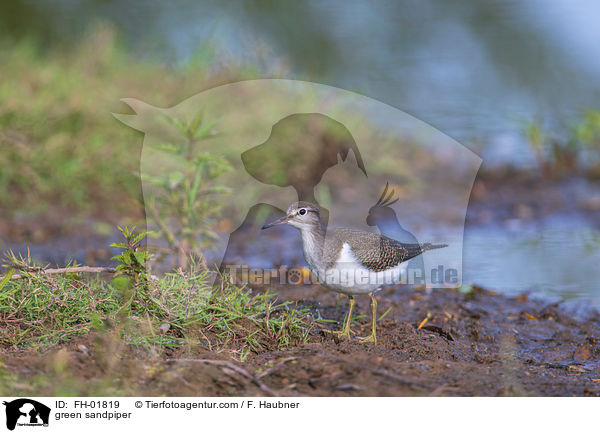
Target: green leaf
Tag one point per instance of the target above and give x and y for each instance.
(180, 125)
(155, 180)
(6, 278)
(141, 257)
(139, 237)
(121, 283)
(125, 258)
(118, 258)
(169, 147)
(118, 245)
(194, 191)
(195, 123)
(204, 130)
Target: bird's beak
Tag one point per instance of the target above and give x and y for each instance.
(283, 220)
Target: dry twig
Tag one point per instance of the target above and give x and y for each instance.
(72, 270)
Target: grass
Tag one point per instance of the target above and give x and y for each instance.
(40, 311)
(131, 315)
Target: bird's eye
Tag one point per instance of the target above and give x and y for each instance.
(302, 211)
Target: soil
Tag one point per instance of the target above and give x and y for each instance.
(480, 343)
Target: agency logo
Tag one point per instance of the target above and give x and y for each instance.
(26, 412)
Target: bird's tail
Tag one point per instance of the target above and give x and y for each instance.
(428, 246)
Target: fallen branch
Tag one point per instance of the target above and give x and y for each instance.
(73, 270)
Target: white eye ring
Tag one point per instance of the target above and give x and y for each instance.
(302, 211)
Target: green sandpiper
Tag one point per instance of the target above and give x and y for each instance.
(350, 261)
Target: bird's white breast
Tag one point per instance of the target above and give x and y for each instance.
(348, 275)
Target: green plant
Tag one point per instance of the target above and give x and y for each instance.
(587, 131)
(55, 107)
(231, 316)
(131, 273)
(134, 258)
(554, 156)
(183, 205)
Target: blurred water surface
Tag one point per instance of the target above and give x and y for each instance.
(475, 70)
(557, 256)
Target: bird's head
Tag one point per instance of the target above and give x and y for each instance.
(302, 215)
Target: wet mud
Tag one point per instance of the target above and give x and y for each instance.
(475, 344)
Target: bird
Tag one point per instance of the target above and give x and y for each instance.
(350, 261)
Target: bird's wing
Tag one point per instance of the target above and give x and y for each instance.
(373, 251)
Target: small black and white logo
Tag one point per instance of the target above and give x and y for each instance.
(26, 412)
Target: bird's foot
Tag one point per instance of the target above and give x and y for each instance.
(344, 333)
(370, 339)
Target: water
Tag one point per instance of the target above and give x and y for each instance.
(474, 70)
(556, 256)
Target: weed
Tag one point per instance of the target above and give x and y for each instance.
(132, 276)
(230, 315)
(555, 157)
(569, 152)
(587, 131)
(133, 258)
(183, 205)
(43, 310)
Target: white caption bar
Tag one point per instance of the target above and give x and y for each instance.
(306, 414)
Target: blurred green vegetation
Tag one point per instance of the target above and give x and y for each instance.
(61, 150)
(183, 206)
(573, 151)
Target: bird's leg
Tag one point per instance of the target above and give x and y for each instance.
(346, 331)
(373, 337)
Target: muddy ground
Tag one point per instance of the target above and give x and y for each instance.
(477, 344)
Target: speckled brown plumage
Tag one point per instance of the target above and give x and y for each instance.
(375, 252)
